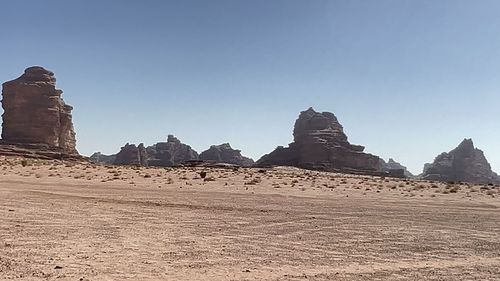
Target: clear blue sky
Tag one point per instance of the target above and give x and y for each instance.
(407, 79)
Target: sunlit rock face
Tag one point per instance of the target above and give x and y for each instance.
(320, 143)
(35, 113)
(465, 163)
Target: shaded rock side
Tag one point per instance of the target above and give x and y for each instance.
(224, 153)
(465, 163)
(35, 113)
(320, 143)
(100, 158)
(170, 153)
(130, 154)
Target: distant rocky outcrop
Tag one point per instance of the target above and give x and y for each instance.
(130, 154)
(36, 120)
(463, 164)
(392, 165)
(100, 158)
(170, 153)
(223, 153)
(320, 143)
(162, 154)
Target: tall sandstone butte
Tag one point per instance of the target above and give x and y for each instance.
(320, 143)
(35, 113)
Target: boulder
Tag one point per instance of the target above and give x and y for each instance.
(34, 111)
(224, 153)
(465, 163)
(320, 143)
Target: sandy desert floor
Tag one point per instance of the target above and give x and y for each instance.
(64, 221)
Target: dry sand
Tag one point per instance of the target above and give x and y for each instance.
(62, 221)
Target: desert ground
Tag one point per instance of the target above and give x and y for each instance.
(67, 221)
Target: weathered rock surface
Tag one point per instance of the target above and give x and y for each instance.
(392, 165)
(170, 153)
(35, 113)
(100, 158)
(320, 143)
(130, 154)
(224, 153)
(463, 164)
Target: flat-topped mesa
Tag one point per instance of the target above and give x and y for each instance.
(320, 143)
(224, 153)
(465, 163)
(35, 113)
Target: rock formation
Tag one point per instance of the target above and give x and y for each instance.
(34, 111)
(130, 154)
(463, 164)
(225, 154)
(161, 154)
(320, 143)
(392, 165)
(35, 116)
(100, 158)
(170, 153)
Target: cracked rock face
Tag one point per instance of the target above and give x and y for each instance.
(465, 163)
(35, 113)
(320, 143)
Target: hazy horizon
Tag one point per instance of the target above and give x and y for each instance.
(407, 79)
